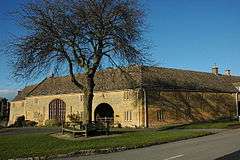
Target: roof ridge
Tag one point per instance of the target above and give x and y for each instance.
(188, 70)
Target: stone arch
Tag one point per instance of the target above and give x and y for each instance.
(57, 110)
(104, 113)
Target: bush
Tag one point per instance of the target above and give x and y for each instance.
(75, 118)
(52, 123)
(20, 122)
(119, 125)
(1, 118)
(31, 123)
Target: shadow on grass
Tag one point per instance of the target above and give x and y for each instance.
(231, 156)
(28, 130)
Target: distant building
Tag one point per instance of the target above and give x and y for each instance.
(137, 96)
(4, 109)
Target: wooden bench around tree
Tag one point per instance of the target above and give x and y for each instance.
(85, 129)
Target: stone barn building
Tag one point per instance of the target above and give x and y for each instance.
(136, 96)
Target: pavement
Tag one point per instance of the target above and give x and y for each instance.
(224, 145)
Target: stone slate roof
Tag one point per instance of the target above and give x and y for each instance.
(137, 76)
(177, 79)
(24, 93)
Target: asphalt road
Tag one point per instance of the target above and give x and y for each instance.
(221, 146)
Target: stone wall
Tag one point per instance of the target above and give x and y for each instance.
(17, 109)
(182, 107)
(37, 108)
(163, 107)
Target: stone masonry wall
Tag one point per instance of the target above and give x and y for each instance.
(182, 107)
(37, 108)
(17, 109)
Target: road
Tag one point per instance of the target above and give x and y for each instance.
(221, 146)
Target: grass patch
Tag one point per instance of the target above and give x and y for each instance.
(28, 145)
(212, 125)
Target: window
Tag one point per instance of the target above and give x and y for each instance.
(70, 109)
(160, 115)
(104, 95)
(175, 94)
(81, 115)
(81, 97)
(188, 112)
(188, 96)
(128, 116)
(35, 100)
(202, 102)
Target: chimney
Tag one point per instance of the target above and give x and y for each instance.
(227, 72)
(215, 69)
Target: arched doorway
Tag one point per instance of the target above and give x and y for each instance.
(57, 110)
(104, 113)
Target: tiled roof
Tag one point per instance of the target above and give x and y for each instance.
(24, 93)
(136, 76)
(168, 78)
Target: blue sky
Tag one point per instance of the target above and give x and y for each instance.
(186, 34)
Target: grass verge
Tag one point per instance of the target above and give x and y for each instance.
(221, 124)
(212, 125)
(30, 145)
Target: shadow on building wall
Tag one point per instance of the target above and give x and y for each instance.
(190, 106)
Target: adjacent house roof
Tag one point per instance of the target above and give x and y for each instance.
(137, 76)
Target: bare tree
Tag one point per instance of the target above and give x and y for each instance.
(78, 34)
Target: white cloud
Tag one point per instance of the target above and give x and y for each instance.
(6, 91)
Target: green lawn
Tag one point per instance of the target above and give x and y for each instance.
(212, 125)
(26, 145)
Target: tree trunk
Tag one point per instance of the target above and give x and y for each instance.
(88, 98)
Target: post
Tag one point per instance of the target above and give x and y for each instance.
(62, 129)
(237, 106)
(145, 108)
